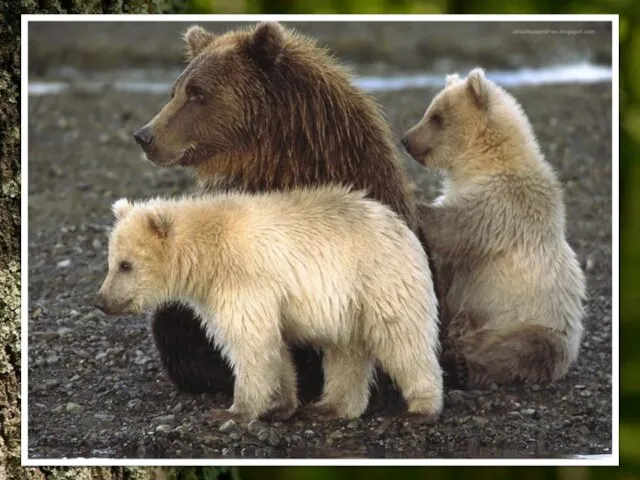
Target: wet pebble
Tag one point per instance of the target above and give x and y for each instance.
(73, 407)
(165, 418)
(229, 426)
(64, 263)
(480, 420)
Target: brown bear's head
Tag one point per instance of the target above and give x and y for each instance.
(138, 266)
(218, 98)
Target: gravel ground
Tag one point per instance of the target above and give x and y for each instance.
(96, 388)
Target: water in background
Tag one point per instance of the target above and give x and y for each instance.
(136, 81)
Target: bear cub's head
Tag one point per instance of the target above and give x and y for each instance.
(138, 265)
(453, 123)
(216, 98)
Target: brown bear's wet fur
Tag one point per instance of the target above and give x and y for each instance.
(262, 109)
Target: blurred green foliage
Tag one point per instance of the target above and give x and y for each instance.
(629, 11)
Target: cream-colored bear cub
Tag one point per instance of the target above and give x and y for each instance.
(323, 266)
(514, 288)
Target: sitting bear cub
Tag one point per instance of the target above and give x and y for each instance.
(325, 267)
(514, 289)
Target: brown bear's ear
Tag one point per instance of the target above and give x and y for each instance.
(121, 208)
(196, 39)
(451, 79)
(477, 84)
(160, 223)
(267, 42)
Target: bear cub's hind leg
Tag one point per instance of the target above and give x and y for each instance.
(415, 369)
(348, 376)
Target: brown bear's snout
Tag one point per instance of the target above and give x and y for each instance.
(144, 137)
(405, 142)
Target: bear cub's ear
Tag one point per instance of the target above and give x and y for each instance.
(451, 79)
(267, 42)
(477, 84)
(121, 208)
(196, 39)
(160, 223)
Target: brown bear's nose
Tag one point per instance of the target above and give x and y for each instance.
(144, 137)
(405, 142)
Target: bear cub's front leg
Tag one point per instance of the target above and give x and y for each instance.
(265, 383)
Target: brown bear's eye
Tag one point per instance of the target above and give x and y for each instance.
(125, 266)
(195, 94)
(437, 119)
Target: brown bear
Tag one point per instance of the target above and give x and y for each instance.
(514, 286)
(261, 109)
(325, 266)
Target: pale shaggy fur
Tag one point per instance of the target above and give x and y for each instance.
(323, 266)
(514, 287)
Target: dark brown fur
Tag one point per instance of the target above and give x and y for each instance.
(262, 109)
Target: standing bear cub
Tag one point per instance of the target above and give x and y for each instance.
(266, 109)
(325, 266)
(514, 287)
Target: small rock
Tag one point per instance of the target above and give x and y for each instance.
(352, 424)
(36, 313)
(584, 430)
(589, 264)
(296, 439)
(97, 244)
(62, 331)
(178, 408)
(101, 355)
(136, 402)
(256, 426)
(274, 437)
(337, 434)
(104, 416)
(455, 397)
(263, 434)
(165, 418)
(229, 426)
(73, 407)
(480, 420)
(64, 263)
(89, 317)
(535, 388)
(528, 412)
(309, 433)
(235, 437)
(580, 387)
(53, 358)
(163, 428)
(58, 409)
(181, 429)
(49, 384)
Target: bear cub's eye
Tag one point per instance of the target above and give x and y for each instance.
(195, 94)
(125, 266)
(437, 119)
